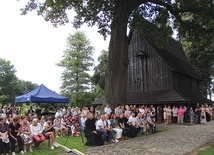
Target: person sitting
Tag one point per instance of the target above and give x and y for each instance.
(133, 125)
(58, 126)
(14, 135)
(91, 134)
(36, 130)
(151, 124)
(42, 120)
(48, 132)
(123, 124)
(115, 126)
(141, 123)
(4, 140)
(64, 125)
(101, 128)
(25, 134)
(74, 132)
(109, 129)
(82, 122)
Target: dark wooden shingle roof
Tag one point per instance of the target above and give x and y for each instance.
(172, 53)
(167, 96)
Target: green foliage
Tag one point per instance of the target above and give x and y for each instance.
(77, 62)
(113, 17)
(7, 81)
(98, 78)
(199, 44)
(81, 99)
(202, 58)
(10, 85)
(98, 92)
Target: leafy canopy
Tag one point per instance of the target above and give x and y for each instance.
(102, 12)
(10, 85)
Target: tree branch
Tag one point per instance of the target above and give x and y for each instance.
(178, 17)
(170, 9)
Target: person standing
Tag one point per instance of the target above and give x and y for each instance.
(181, 115)
(108, 110)
(203, 114)
(169, 115)
(175, 114)
(164, 114)
(117, 111)
(211, 112)
(191, 115)
(159, 114)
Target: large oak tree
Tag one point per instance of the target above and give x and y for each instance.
(115, 16)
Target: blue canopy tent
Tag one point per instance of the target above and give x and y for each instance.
(41, 94)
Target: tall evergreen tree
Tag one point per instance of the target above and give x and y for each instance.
(77, 62)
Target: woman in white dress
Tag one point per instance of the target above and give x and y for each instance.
(164, 113)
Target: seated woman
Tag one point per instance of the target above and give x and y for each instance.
(141, 123)
(151, 124)
(4, 140)
(25, 133)
(36, 130)
(145, 123)
(14, 135)
(64, 125)
(57, 126)
(115, 127)
(48, 132)
(42, 120)
(82, 122)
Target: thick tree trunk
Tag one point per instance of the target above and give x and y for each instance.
(118, 57)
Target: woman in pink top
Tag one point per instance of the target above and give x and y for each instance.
(181, 115)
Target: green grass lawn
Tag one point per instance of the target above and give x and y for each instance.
(72, 143)
(209, 151)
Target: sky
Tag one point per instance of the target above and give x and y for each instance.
(34, 46)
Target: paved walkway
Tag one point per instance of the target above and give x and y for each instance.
(176, 140)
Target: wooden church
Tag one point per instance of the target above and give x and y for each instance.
(160, 75)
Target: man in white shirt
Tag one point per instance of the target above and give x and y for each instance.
(100, 127)
(133, 120)
(108, 110)
(133, 125)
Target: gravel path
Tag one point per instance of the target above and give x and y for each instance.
(176, 140)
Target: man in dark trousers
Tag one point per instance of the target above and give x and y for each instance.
(92, 136)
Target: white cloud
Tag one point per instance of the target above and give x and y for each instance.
(34, 47)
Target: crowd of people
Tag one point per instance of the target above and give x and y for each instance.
(109, 126)
(115, 125)
(200, 114)
(26, 130)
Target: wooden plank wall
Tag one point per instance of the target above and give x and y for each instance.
(184, 83)
(149, 73)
